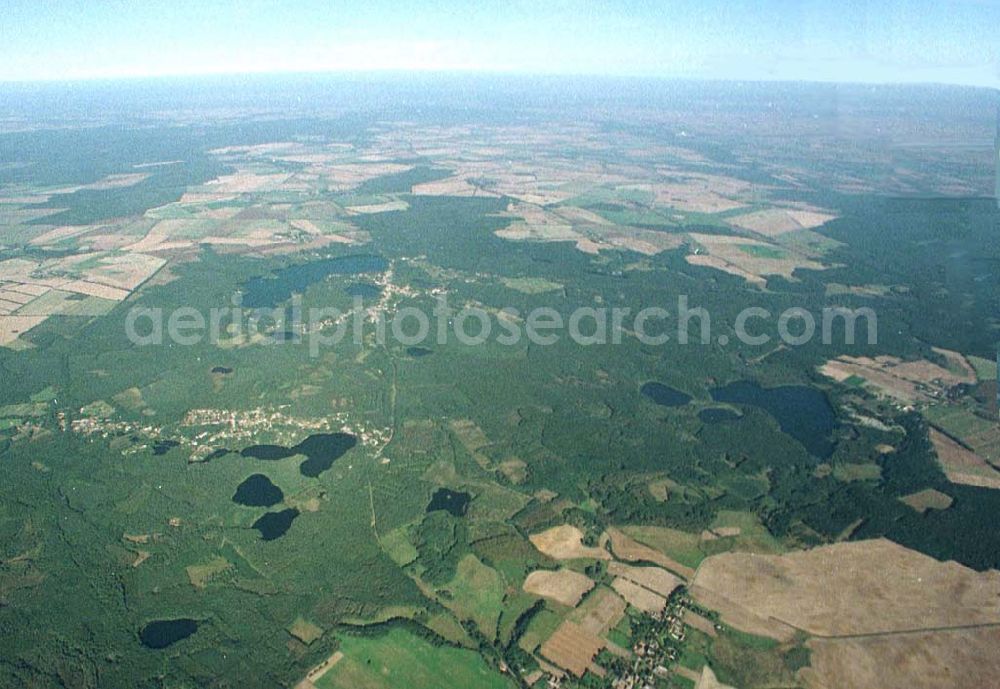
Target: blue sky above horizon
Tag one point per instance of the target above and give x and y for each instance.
(952, 41)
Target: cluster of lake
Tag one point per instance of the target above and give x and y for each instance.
(320, 450)
(802, 412)
(277, 287)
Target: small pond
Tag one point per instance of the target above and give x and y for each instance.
(163, 633)
(454, 502)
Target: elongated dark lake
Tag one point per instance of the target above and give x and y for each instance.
(163, 633)
(802, 412)
(664, 395)
(279, 286)
(321, 451)
(258, 491)
(275, 524)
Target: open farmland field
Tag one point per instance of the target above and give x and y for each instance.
(918, 660)
(563, 586)
(401, 659)
(866, 587)
(566, 543)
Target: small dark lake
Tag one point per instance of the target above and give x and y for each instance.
(365, 290)
(222, 370)
(163, 633)
(277, 287)
(802, 412)
(417, 352)
(321, 451)
(718, 415)
(275, 524)
(455, 502)
(258, 491)
(664, 395)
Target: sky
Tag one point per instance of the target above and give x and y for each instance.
(944, 41)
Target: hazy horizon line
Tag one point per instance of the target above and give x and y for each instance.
(444, 73)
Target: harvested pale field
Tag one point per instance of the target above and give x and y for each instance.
(566, 543)
(563, 585)
(702, 624)
(94, 289)
(60, 233)
(961, 465)
(836, 289)
(647, 242)
(928, 499)
(11, 327)
(33, 290)
(655, 579)
(575, 215)
(171, 230)
(452, 186)
(386, 207)
(736, 615)
(588, 246)
(922, 371)
(600, 611)
(639, 597)
(883, 381)
(688, 673)
(630, 550)
(520, 231)
(864, 587)
(572, 648)
(707, 261)
(245, 183)
(773, 222)
(15, 297)
(200, 197)
(966, 658)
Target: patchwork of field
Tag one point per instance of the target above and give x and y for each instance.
(87, 284)
(907, 381)
(630, 550)
(751, 259)
(506, 511)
